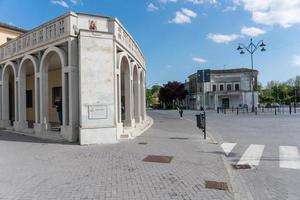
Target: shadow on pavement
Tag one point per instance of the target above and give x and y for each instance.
(15, 137)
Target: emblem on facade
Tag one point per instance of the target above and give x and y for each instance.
(92, 25)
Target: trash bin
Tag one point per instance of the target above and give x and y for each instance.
(200, 120)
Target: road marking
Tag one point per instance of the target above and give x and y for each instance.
(289, 157)
(227, 147)
(252, 155)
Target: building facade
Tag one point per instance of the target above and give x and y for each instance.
(221, 88)
(91, 63)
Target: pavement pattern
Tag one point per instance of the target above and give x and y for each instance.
(269, 144)
(36, 169)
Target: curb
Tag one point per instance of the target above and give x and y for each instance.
(234, 188)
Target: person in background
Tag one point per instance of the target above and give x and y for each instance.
(58, 105)
(180, 110)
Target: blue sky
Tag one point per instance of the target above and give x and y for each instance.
(179, 37)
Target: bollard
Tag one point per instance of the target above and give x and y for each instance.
(290, 109)
(255, 111)
(237, 110)
(224, 111)
(275, 111)
(218, 110)
(295, 110)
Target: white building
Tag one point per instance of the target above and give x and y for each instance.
(91, 62)
(221, 88)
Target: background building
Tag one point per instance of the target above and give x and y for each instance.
(91, 63)
(221, 88)
(9, 32)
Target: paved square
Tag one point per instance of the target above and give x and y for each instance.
(39, 170)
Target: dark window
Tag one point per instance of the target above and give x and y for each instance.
(221, 87)
(237, 87)
(56, 92)
(214, 88)
(29, 99)
(8, 39)
(228, 87)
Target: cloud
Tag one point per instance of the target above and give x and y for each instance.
(196, 2)
(167, 1)
(60, 2)
(151, 7)
(199, 60)
(229, 8)
(184, 16)
(272, 12)
(252, 31)
(221, 38)
(76, 2)
(296, 61)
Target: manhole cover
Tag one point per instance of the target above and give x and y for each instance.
(216, 185)
(143, 143)
(246, 166)
(158, 159)
(178, 138)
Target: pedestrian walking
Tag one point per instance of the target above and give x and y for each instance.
(58, 105)
(180, 110)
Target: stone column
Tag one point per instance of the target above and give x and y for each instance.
(22, 100)
(69, 129)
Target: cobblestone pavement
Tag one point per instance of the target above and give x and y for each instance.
(269, 180)
(32, 169)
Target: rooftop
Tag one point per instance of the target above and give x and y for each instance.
(11, 27)
(236, 70)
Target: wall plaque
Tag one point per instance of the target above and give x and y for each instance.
(97, 111)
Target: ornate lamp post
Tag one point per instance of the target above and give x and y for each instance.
(251, 49)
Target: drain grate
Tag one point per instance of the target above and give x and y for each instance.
(246, 166)
(143, 143)
(216, 185)
(158, 159)
(178, 138)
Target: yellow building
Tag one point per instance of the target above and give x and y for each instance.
(8, 32)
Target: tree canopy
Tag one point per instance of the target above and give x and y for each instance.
(172, 92)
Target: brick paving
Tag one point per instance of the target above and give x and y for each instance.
(32, 168)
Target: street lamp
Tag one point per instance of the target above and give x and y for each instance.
(251, 49)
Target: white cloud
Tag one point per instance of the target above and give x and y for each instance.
(151, 7)
(199, 60)
(196, 2)
(60, 2)
(76, 2)
(188, 12)
(221, 38)
(229, 8)
(184, 16)
(252, 31)
(272, 12)
(167, 1)
(296, 61)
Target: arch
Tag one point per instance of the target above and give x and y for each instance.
(13, 65)
(58, 51)
(33, 60)
(9, 95)
(27, 112)
(136, 93)
(54, 58)
(125, 90)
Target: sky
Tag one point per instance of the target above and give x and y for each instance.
(179, 37)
